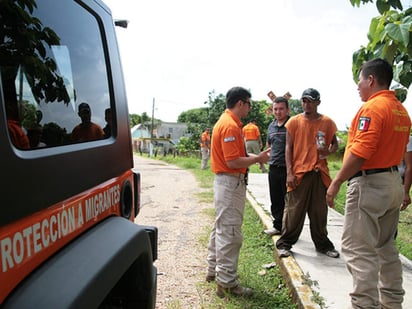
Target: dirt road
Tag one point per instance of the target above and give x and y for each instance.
(169, 202)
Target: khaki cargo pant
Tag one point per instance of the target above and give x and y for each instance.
(205, 157)
(368, 244)
(226, 236)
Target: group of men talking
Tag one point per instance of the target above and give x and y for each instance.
(300, 185)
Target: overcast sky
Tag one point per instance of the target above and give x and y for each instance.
(176, 52)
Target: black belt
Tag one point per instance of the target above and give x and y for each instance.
(277, 166)
(374, 171)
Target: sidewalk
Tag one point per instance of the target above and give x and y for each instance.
(334, 281)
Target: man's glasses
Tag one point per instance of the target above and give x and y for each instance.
(247, 102)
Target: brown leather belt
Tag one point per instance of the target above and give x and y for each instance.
(374, 171)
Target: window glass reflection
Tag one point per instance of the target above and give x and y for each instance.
(50, 72)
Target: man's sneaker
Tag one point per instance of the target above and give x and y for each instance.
(331, 253)
(238, 290)
(284, 253)
(271, 232)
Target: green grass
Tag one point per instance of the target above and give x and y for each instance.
(270, 290)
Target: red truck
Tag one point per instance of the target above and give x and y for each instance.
(69, 191)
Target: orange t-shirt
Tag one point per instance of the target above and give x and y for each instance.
(227, 143)
(305, 152)
(87, 132)
(18, 137)
(251, 132)
(379, 132)
(205, 140)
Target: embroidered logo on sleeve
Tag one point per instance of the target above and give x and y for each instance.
(364, 123)
(229, 139)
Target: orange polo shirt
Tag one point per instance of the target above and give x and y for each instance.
(379, 132)
(251, 132)
(205, 140)
(227, 143)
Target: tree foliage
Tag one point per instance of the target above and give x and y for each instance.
(389, 38)
(200, 118)
(26, 50)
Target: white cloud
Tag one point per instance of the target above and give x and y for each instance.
(179, 51)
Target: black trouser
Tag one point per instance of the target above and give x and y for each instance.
(277, 191)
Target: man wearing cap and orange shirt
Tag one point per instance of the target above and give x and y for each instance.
(377, 140)
(229, 162)
(253, 140)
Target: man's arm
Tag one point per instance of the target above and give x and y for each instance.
(242, 162)
(407, 180)
(290, 178)
(350, 167)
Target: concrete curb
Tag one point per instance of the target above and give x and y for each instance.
(292, 273)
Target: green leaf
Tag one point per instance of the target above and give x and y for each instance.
(399, 32)
(382, 6)
(389, 51)
(396, 4)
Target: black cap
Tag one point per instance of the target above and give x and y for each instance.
(311, 94)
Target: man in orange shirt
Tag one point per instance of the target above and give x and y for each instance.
(229, 162)
(86, 130)
(205, 148)
(253, 140)
(307, 176)
(376, 144)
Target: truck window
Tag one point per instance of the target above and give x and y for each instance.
(66, 72)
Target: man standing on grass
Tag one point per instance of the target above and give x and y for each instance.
(205, 148)
(376, 144)
(229, 162)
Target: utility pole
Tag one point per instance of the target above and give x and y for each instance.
(151, 131)
(153, 108)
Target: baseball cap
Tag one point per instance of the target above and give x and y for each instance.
(311, 94)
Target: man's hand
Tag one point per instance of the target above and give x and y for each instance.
(291, 181)
(331, 193)
(406, 201)
(264, 156)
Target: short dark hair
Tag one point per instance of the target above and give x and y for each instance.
(282, 100)
(235, 94)
(380, 69)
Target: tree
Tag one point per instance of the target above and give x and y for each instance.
(135, 119)
(25, 51)
(196, 115)
(389, 38)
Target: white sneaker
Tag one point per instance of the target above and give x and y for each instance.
(271, 232)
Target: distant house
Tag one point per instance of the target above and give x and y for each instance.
(171, 130)
(162, 134)
(140, 131)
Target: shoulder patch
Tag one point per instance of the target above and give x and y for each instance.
(364, 123)
(229, 139)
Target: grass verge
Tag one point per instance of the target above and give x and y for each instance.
(256, 267)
